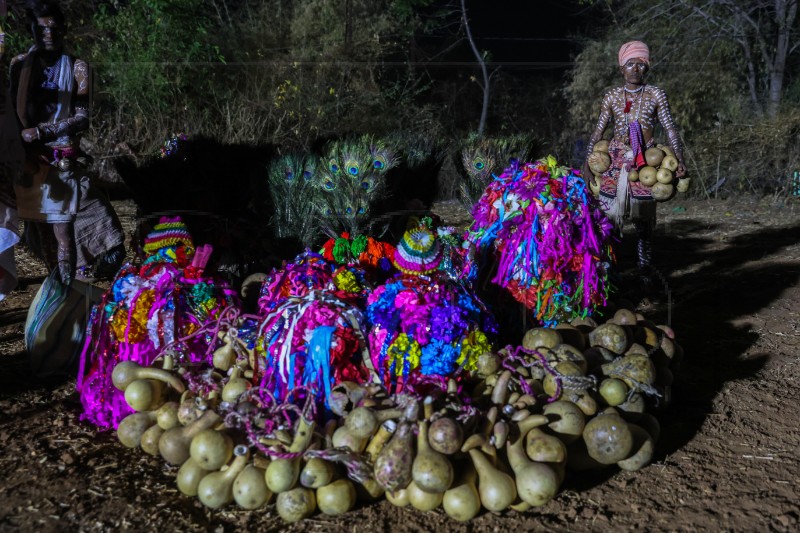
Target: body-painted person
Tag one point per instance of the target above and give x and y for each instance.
(51, 92)
(633, 109)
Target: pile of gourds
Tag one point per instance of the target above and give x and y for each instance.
(572, 397)
(658, 174)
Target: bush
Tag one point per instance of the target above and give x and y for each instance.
(755, 156)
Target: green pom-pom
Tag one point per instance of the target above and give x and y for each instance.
(359, 245)
(341, 250)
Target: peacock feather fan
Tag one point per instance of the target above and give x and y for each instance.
(383, 157)
(482, 158)
(345, 190)
(291, 180)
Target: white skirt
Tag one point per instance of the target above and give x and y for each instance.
(624, 206)
(47, 194)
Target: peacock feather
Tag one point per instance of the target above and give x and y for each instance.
(291, 179)
(346, 189)
(383, 158)
(483, 158)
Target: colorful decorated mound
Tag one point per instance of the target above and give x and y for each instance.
(421, 321)
(149, 309)
(310, 331)
(308, 272)
(350, 384)
(550, 242)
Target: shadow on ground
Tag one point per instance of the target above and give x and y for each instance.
(732, 283)
(713, 283)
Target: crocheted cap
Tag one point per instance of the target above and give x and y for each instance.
(168, 232)
(418, 252)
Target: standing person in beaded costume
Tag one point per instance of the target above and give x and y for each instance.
(634, 108)
(51, 91)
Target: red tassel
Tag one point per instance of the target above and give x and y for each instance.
(640, 161)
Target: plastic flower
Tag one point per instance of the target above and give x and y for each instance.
(346, 281)
(509, 205)
(473, 347)
(404, 354)
(439, 358)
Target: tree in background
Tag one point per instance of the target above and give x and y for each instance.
(737, 126)
(154, 61)
(273, 71)
(766, 32)
(485, 76)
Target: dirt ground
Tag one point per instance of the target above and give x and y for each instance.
(727, 458)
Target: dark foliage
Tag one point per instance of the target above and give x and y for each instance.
(221, 192)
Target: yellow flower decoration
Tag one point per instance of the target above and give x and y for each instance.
(556, 170)
(208, 306)
(475, 344)
(138, 329)
(346, 281)
(402, 350)
(119, 323)
(260, 350)
(189, 328)
(143, 304)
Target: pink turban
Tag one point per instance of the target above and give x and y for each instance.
(634, 50)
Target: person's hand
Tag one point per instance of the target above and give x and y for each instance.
(680, 171)
(29, 135)
(588, 175)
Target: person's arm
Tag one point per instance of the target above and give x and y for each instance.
(79, 121)
(15, 71)
(602, 124)
(665, 118)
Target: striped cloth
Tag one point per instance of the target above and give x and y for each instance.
(634, 50)
(96, 228)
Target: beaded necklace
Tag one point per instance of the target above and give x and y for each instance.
(637, 96)
(634, 128)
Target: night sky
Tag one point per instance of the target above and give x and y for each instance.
(523, 37)
(532, 33)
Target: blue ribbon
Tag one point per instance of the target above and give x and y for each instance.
(292, 357)
(319, 359)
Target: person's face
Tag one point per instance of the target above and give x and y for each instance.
(49, 34)
(633, 71)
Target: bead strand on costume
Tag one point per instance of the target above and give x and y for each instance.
(644, 247)
(644, 250)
